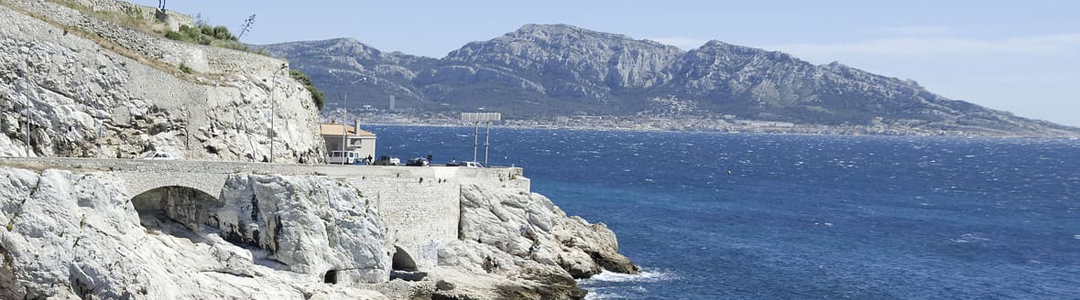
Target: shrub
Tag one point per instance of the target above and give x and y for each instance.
(173, 35)
(207, 35)
(316, 95)
(222, 33)
(184, 68)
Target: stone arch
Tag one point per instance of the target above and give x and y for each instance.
(185, 205)
(139, 183)
(141, 190)
(402, 261)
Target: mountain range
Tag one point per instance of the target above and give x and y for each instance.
(550, 71)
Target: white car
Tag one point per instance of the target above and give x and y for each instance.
(471, 164)
(160, 156)
(467, 164)
(344, 157)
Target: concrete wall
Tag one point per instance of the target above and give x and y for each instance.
(367, 147)
(419, 216)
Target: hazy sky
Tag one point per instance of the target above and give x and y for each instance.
(1019, 56)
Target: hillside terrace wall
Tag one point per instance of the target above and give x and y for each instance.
(200, 58)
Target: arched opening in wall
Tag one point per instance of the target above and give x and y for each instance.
(404, 267)
(175, 210)
(402, 261)
(331, 277)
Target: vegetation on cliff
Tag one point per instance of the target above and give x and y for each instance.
(316, 94)
(204, 34)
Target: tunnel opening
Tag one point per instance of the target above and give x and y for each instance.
(176, 210)
(402, 261)
(331, 277)
(403, 266)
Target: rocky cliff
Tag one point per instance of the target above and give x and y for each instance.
(75, 84)
(82, 235)
(546, 71)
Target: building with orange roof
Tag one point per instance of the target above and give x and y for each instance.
(342, 138)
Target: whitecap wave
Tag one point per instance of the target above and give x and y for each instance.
(970, 238)
(644, 276)
(594, 295)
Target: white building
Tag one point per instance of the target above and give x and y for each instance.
(353, 139)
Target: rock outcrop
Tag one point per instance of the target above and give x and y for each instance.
(530, 226)
(81, 234)
(92, 88)
(524, 235)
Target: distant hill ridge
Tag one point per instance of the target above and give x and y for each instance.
(546, 71)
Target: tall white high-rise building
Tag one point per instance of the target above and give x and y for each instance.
(392, 100)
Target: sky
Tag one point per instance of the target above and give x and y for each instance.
(1017, 56)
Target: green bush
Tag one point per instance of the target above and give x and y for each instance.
(207, 35)
(173, 35)
(316, 94)
(184, 68)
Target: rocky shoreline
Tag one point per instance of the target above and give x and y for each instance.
(82, 235)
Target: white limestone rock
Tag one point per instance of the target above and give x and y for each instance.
(312, 225)
(126, 85)
(530, 226)
(71, 236)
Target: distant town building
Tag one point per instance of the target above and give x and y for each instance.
(393, 103)
(354, 139)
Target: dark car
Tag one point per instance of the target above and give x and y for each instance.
(417, 162)
(387, 161)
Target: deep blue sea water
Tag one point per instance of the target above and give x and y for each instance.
(804, 217)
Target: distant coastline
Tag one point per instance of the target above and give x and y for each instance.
(689, 124)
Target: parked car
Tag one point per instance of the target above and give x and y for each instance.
(417, 162)
(345, 157)
(467, 164)
(158, 155)
(387, 161)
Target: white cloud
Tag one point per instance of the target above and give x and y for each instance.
(684, 43)
(1044, 44)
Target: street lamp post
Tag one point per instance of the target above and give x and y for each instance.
(344, 115)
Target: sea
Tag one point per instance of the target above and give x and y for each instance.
(755, 216)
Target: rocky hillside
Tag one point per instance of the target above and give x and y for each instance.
(74, 82)
(545, 71)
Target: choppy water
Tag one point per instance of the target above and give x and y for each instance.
(805, 217)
